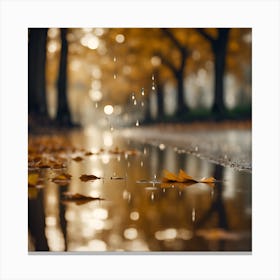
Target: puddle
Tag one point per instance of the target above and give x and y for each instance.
(138, 212)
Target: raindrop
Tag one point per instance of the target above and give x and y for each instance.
(111, 128)
(153, 87)
(153, 77)
(145, 151)
(141, 163)
(142, 103)
(137, 123)
(154, 180)
(115, 76)
(196, 149)
(193, 214)
(134, 102)
(163, 190)
(152, 196)
(115, 59)
(142, 92)
(96, 105)
(132, 96)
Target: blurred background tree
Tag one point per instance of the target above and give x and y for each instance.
(156, 74)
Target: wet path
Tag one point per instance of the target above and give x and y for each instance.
(138, 215)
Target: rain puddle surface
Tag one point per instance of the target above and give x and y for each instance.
(139, 212)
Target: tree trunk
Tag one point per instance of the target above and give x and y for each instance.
(37, 71)
(160, 102)
(63, 113)
(219, 49)
(181, 106)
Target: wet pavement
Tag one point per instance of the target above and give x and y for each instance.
(139, 212)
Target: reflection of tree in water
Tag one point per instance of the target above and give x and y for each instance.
(217, 208)
(36, 222)
(63, 223)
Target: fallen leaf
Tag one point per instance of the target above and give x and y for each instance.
(78, 198)
(208, 180)
(117, 178)
(62, 179)
(184, 177)
(78, 158)
(86, 178)
(169, 176)
(89, 153)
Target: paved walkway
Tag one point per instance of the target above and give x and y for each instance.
(228, 145)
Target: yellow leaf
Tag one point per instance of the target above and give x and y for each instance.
(207, 180)
(169, 177)
(33, 179)
(184, 177)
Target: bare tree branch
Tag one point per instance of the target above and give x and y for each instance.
(166, 62)
(202, 32)
(173, 39)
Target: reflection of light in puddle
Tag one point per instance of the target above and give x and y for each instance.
(169, 233)
(136, 245)
(126, 195)
(97, 172)
(55, 238)
(134, 215)
(107, 139)
(87, 232)
(97, 245)
(105, 158)
(100, 213)
(193, 214)
(172, 233)
(51, 221)
(96, 224)
(70, 215)
(130, 233)
(94, 193)
(115, 239)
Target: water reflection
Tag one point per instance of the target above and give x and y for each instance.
(142, 216)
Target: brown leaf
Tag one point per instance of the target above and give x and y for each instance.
(78, 198)
(78, 158)
(89, 153)
(86, 178)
